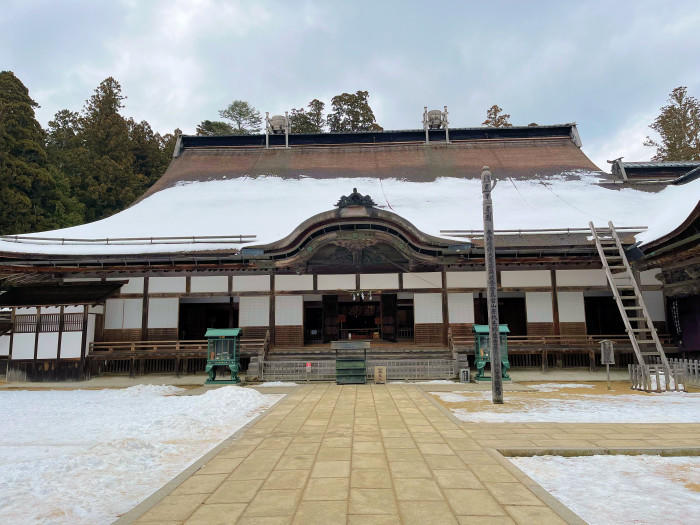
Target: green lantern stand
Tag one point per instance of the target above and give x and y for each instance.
(482, 353)
(222, 352)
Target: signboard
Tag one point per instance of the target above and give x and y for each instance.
(607, 353)
(379, 375)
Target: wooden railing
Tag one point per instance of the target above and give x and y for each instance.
(554, 348)
(525, 343)
(165, 349)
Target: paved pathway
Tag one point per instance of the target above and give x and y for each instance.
(384, 454)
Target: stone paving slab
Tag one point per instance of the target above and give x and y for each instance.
(385, 454)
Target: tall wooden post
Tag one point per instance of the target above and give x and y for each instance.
(491, 289)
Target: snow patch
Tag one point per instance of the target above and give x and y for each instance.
(87, 456)
(617, 490)
(669, 407)
(554, 387)
(277, 383)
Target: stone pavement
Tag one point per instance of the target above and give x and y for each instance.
(384, 454)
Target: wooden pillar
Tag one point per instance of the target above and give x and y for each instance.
(357, 281)
(61, 323)
(144, 311)
(555, 303)
(83, 341)
(12, 338)
(445, 311)
(271, 322)
(37, 329)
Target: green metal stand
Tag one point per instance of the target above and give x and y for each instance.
(222, 352)
(481, 351)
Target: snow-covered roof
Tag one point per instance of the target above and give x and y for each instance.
(270, 207)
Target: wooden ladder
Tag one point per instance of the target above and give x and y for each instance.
(643, 336)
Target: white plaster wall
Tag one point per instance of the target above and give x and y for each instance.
(289, 310)
(571, 307)
(133, 313)
(290, 283)
(466, 279)
(70, 344)
(166, 285)
(427, 308)
(460, 307)
(163, 312)
(97, 309)
(538, 307)
(47, 346)
(254, 311)
(90, 332)
(23, 346)
(114, 316)
(4, 345)
(251, 283)
(525, 278)
(422, 280)
(50, 309)
(648, 277)
(135, 284)
(581, 278)
(379, 281)
(654, 301)
(216, 283)
(336, 282)
(123, 313)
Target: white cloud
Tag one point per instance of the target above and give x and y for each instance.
(627, 141)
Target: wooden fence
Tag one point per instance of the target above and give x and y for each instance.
(657, 377)
(324, 370)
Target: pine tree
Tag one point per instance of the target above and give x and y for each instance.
(678, 124)
(211, 128)
(494, 118)
(352, 112)
(246, 118)
(33, 194)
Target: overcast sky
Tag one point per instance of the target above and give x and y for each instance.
(608, 66)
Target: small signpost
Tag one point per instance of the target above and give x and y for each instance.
(379, 375)
(607, 356)
(308, 370)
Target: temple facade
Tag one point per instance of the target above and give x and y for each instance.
(372, 236)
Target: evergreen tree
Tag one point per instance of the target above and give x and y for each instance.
(352, 112)
(311, 121)
(678, 124)
(109, 183)
(33, 194)
(494, 118)
(246, 118)
(210, 128)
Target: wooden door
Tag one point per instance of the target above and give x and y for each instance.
(330, 318)
(389, 317)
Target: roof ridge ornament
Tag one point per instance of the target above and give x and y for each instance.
(355, 199)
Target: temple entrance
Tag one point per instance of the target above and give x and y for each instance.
(196, 315)
(359, 319)
(342, 317)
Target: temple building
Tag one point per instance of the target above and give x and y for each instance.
(301, 240)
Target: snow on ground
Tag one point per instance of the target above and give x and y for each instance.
(669, 407)
(87, 456)
(277, 383)
(554, 387)
(621, 489)
(570, 200)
